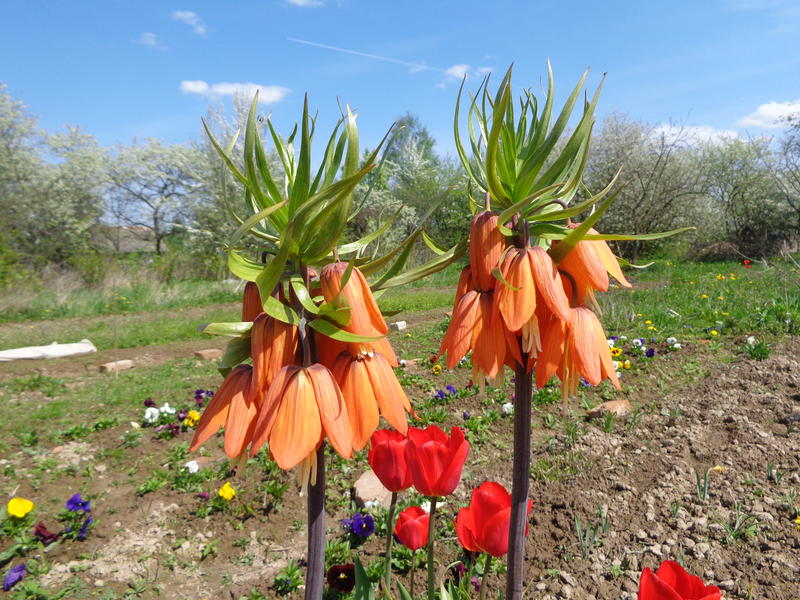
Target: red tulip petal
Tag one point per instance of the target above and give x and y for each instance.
(464, 530)
(687, 586)
(652, 588)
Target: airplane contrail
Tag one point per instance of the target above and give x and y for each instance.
(417, 66)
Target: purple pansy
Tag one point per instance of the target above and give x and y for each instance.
(14, 576)
(85, 528)
(651, 352)
(363, 525)
(78, 504)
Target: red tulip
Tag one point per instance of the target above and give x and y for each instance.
(672, 582)
(483, 525)
(412, 527)
(387, 457)
(435, 460)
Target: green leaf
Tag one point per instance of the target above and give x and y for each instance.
(302, 179)
(430, 243)
(237, 351)
(233, 329)
(272, 272)
(365, 241)
(242, 267)
(332, 331)
(340, 315)
(301, 291)
(641, 236)
(250, 134)
(278, 310)
(565, 246)
(253, 220)
(432, 266)
(363, 589)
(404, 595)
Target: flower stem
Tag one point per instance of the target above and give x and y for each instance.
(485, 578)
(413, 568)
(431, 566)
(523, 388)
(315, 556)
(389, 530)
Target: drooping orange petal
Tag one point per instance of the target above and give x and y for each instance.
(332, 409)
(584, 344)
(608, 259)
(458, 337)
(586, 268)
(241, 419)
(269, 408)
(464, 285)
(216, 413)
(548, 282)
(485, 247)
(392, 401)
(516, 305)
(384, 347)
(488, 340)
(604, 352)
(362, 406)
(273, 345)
(251, 302)
(375, 316)
(296, 429)
(365, 316)
(553, 335)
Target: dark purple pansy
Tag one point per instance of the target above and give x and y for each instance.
(14, 576)
(204, 495)
(77, 504)
(650, 353)
(466, 415)
(182, 414)
(347, 524)
(441, 395)
(342, 578)
(43, 534)
(149, 402)
(451, 389)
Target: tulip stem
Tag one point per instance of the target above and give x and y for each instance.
(413, 569)
(389, 531)
(315, 572)
(431, 566)
(485, 577)
(523, 388)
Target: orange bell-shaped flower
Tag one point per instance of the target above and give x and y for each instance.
(233, 408)
(589, 263)
(302, 405)
(365, 316)
(532, 278)
(370, 388)
(486, 244)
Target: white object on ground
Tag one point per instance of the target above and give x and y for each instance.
(54, 350)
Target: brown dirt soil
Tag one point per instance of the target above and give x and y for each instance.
(739, 416)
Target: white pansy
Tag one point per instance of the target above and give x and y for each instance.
(637, 342)
(151, 414)
(676, 346)
(192, 466)
(370, 504)
(166, 409)
(610, 343)
(671, 341)
(751, 340)
(508, 408)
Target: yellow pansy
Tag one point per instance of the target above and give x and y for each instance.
(19, 507)
(227, 492)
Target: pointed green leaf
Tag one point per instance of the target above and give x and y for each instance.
(301, 291)
(233, 329)
(253, 221)
(278, 310)
(332, 331)
(236, 352)
(564, 247)
(242, 267)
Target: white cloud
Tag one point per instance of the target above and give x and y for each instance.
(692, 134)
(772, 115)
(150, 40)
(457, 71)
(307, 3)
(191, 19)
(484, 70)
(268, 94)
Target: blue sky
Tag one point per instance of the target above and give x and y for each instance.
(123, 69)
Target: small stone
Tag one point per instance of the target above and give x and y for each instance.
(116, 366)
(618, 408)
(726, 584)
(541, 586)
(209, 353)
(566, 591)
(99, 583)
(399, 325)
(567, 578)
(702, 548)
(368, 488)
(641, 534)
(655, 549)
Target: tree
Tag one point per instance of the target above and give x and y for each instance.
(786, 173)
(155, 187)
(739, 180)
(660, 173)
